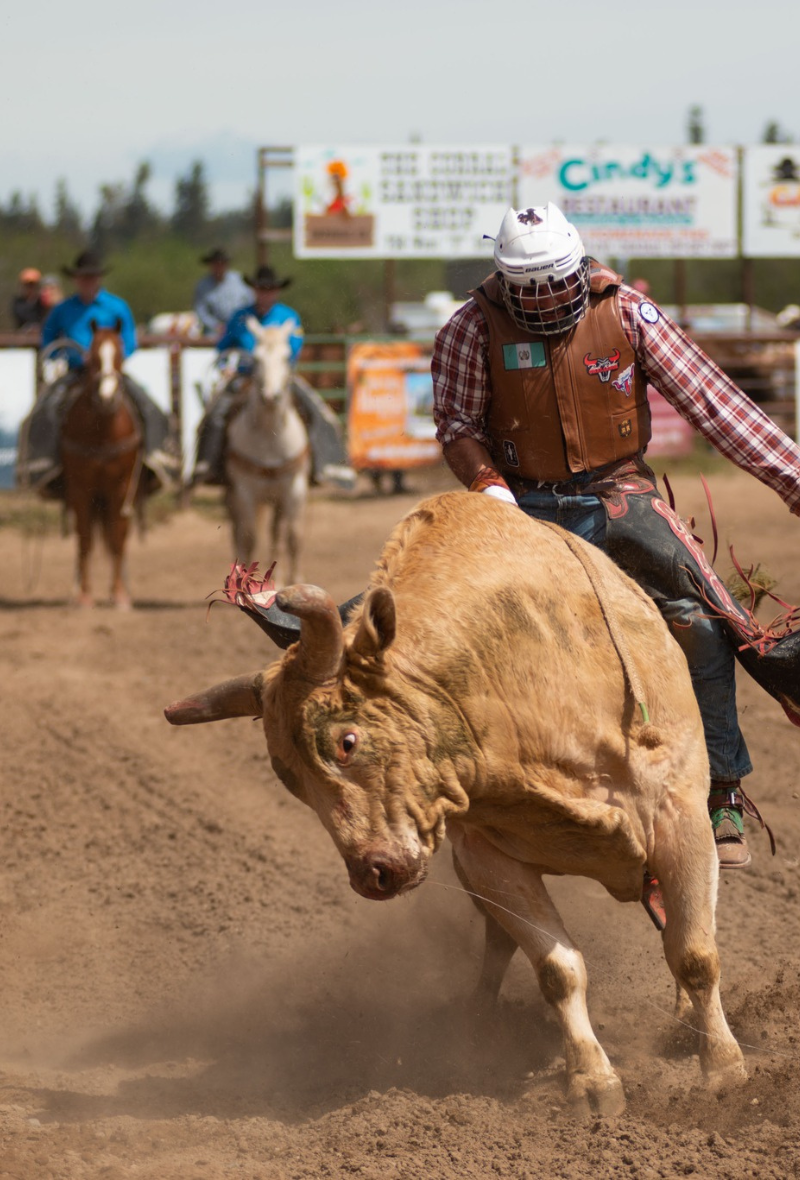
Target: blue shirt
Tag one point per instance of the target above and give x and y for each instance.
(215, 303)
(73, 318)
(238, 335)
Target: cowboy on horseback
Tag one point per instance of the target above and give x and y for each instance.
(233, 370)
(66, 338)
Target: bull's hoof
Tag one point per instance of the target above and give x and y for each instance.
(592, 1096)
(728, 1077)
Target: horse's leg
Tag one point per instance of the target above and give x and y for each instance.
(116, 526)
(514, 894)
(79, 502)
(242, 512)
(685, 861)
(275, 533)
(295, 506)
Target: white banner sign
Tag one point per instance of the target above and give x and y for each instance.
(771, 202)
(638, 202)
(411, 201)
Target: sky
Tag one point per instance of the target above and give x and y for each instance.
(88, 92)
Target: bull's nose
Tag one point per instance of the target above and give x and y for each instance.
(381, 877)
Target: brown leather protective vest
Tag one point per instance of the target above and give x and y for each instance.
(568, 403)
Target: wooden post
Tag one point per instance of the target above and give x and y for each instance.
(679, 279)
(389, 290)
(262, 214)
(748, 291)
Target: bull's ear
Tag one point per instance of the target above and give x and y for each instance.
(376, 631)
(240, 697)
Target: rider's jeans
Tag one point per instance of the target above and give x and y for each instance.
(702, 640)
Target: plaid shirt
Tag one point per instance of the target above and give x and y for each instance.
(679, 370)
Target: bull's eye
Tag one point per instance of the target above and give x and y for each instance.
(345, 746)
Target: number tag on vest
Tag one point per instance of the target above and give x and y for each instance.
(524, 356)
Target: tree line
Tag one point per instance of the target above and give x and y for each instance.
(160, 274)
(332, 296)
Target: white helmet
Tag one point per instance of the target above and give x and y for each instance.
(544, 272)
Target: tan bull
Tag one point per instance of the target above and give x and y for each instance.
(494, 686)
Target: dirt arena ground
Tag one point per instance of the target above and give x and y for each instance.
(189, 988)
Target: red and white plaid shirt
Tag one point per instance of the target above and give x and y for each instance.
(687, 378)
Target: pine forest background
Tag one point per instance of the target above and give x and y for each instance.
(154, 256)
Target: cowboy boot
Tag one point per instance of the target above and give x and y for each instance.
(726, 807)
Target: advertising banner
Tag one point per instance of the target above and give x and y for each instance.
(638, 202)
(389, 407)
(17, 395)
(411, 201)
(771, 201)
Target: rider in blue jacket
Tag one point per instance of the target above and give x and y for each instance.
(71, 322)
(72, 319)
(270, 312)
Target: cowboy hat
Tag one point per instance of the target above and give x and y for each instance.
(215, 255)
(88, 262)
(266, 279)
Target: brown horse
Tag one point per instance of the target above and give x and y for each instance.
(101, 454)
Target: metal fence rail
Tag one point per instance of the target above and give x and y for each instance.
(765, 365)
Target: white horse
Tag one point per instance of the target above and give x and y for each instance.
(268, 459)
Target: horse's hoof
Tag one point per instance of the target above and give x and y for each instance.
(123, 602)
(83, 601)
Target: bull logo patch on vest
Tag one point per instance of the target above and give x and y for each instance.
(510, 453)
(602, 366)
(624, 383)
(530, 355)
(625, 428)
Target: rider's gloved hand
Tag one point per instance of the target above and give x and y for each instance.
(490, 482)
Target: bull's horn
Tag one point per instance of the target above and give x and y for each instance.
(319, 652)
(240, 697)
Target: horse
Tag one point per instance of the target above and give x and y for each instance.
(267, 453)
(102, 448)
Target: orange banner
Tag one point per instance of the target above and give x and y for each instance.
(390, 407)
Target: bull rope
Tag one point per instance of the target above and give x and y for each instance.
(648, 734)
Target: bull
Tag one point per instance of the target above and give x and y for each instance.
(504, 684)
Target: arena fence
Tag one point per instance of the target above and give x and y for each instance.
(766, 365)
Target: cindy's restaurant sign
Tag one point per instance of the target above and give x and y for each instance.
(410, 201)
(639, 201)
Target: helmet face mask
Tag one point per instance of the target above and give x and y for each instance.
(543, 270)
(550, 307)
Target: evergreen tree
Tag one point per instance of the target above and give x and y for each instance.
(190, 217)
(108, 217)
(695, 125)
(21, 214)
(67, 220)
(774, 133)
(138, 215)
